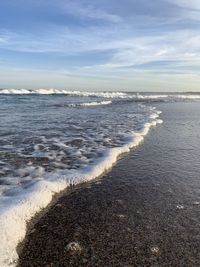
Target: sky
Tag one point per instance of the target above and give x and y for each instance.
(123, 45)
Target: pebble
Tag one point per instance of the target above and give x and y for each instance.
(121, 216)
(155, 250)
(73, 247)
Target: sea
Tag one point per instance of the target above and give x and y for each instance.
(51, 139)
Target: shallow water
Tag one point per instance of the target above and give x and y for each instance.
(41, 134)
(179, 148)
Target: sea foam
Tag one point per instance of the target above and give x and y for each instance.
(53, 91)
(18, 209)
(122, 95)
(88, 104)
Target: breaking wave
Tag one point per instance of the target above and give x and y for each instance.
(120, 95)
(86, 104)
(62, 92)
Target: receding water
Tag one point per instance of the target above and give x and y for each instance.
(41, 134)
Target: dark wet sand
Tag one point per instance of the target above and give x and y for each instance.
(145, 212)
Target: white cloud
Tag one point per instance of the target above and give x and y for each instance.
(192, 4)
(89, 11)
(187, 9)
(125, 51)
(4, 37)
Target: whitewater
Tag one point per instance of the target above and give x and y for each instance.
(51, 139)
(55, 91)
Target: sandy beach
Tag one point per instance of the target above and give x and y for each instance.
(145, 212)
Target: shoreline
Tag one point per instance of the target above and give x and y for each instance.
(47, 189)
(144, 212)
(55, 199)
(65, 193)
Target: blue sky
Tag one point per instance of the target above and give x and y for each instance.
(135, 45)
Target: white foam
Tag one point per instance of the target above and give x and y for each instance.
(187, 96)
(141, 96)
(35, 172)
(53, 91)
(89, 104)
(168, 96)
(17, 210)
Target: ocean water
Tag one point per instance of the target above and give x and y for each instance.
(50, 139)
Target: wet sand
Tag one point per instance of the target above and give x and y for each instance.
(145, 212)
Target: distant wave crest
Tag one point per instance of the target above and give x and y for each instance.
(146, 97)
(85, 104)
(53, 91)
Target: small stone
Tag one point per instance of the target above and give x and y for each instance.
(196, 203)
(121, 216)
(155, 250)
(73, 247)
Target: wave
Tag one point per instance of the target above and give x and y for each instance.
(153, 96)
(53, 91)
(88, 104)
(121, 95)
(192, 96)
(18, 209)
(166, 97)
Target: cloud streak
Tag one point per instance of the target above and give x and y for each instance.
(190, 5)
(89, 12)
